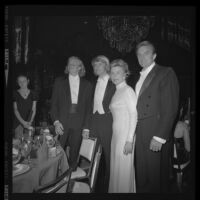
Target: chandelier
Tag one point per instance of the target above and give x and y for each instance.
(123, 32)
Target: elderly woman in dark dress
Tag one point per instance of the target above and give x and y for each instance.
(24, 104)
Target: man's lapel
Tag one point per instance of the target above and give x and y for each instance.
(67, 88)
(148, 80)
(80, 93)
(109, 85)
(93, 91)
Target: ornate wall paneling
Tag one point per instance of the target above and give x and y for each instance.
(176, 30)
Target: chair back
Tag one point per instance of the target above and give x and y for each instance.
(95, 168)
(181, 157)
(180, 161)
(83, 187)
(87, 148)
(85, 158)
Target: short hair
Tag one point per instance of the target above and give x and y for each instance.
(81, 71)
(120, 63)
(145, 43)
(103, 59)
(22, 74)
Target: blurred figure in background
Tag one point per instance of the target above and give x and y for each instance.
(182, 137)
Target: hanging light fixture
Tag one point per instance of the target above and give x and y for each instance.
(123, 32)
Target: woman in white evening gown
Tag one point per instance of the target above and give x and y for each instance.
(123, 108)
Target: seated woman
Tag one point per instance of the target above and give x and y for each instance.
(182, 140)
(24, 104)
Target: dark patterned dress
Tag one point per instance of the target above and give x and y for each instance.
(24, 106)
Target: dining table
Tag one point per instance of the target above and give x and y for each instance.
(39, 172)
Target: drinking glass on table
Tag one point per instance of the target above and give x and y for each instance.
(26, 149)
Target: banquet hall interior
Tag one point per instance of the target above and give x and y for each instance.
(39, 39)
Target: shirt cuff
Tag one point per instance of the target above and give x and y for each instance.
(163, 141)
(55, 122)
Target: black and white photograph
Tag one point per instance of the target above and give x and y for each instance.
(99, 100)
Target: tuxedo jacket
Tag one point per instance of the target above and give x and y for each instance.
(109, 92)
(158, 98)
(61, 102)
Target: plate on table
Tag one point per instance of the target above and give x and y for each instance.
(20, 169)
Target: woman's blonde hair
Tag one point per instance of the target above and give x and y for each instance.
(81, 71)
(103, 59)
(122, 64)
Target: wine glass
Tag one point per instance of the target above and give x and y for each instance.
(37, 142)
(26, 149)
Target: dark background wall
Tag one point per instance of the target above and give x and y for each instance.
(61, 37)
(59, 32)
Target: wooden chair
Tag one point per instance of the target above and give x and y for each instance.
(85, 159)
(87, 187)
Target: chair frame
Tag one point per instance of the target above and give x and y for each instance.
(95, 169)
(88, 173)
(54, 186)
(98, 153)
(178, 168)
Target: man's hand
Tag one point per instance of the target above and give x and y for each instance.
(59, 128)
(128, 148)
(85, 134)
(155, 145)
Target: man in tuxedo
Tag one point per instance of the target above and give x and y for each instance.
(70, 106)
(101, 119)
(157, 91)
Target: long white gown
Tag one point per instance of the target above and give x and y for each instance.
(122, 171)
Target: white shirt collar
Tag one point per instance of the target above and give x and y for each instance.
(147, 70)
(73, 77)
(104, 78)
(121, 85)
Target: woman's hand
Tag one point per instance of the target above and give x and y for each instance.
(29, 123)
(128, 148)
(26, 124)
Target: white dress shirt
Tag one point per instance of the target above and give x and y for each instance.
(143, 75)
(74, 82)
(99, 94)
